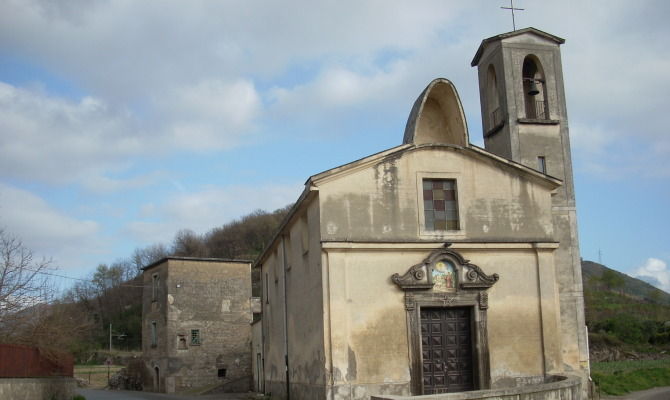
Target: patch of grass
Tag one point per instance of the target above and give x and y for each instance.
(621, 377)
(95, 375)
(613, 367)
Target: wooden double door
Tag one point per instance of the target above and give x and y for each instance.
(446, 348)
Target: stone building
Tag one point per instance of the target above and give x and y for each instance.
(437, 266)
(195, 324)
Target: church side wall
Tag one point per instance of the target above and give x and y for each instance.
(273, 326)
(304, 320)
(307, 360)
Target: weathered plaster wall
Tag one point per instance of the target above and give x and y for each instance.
(369, 345)
(523, 316)
(385, 203)
(297, 255)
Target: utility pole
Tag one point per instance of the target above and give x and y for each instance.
(110, 338)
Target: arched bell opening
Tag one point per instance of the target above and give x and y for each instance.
(534, 89)
(495, 114)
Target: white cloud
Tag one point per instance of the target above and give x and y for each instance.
(657, 270)
(336, 88)
(208, 208)
(59, 141)
(169, 41)
(210, 114)
(44, 229)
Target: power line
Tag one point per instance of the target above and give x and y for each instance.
(79, 279)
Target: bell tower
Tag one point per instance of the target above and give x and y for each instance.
(524, 119)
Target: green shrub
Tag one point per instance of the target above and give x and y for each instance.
(629, 329)
(78, 397)
(620, 383)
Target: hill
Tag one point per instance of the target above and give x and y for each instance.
(627, 318)
(597, 276)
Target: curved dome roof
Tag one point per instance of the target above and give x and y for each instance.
(437, 116)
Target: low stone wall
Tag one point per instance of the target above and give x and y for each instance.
(56, 388)
(557, 388)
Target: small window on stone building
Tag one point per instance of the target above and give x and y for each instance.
(181, 342)
(155, 282)
(542, 164)
(195, 337)
(154, 334)
(267, 294)
(440, 205)
(221, 373)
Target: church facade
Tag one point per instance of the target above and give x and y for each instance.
(436, 266)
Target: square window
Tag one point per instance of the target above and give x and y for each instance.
(440, 204)
(195, 337)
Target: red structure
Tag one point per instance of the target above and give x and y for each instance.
(18, 361)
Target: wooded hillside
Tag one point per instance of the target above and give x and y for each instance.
(79, 321)
(620, 310)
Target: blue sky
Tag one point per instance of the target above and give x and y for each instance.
(122, 122)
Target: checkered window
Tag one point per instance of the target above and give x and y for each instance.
(195, 336)
(440, 204)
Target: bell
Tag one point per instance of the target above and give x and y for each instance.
(533, 91)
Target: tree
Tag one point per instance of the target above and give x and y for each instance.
(148, 255)
(23, 280)
(188, 244)
(29, 314)
(613, 280)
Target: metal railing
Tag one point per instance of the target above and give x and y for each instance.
(496, 117)
(537, 109)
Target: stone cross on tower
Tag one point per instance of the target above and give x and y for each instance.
(512, 9)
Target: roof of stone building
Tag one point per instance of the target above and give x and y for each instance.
(220, 260)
